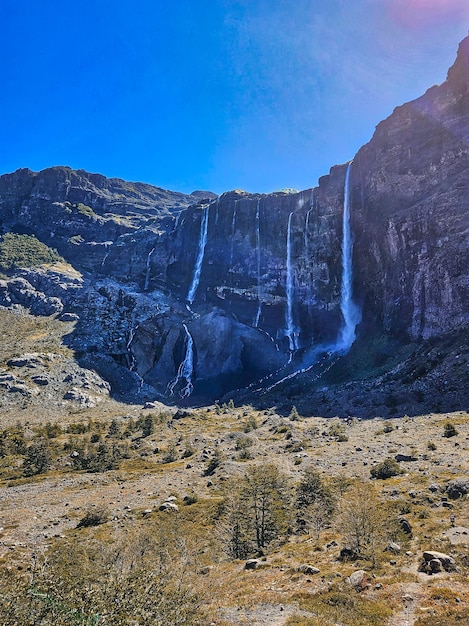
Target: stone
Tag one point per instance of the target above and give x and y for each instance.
(40, 380)
(169, 506)
(69, 317)
(405, 525)
(251, 564)
(435, 566)
(308, 569)
(393, 547)
(358, 579)
(348, 554)
(405, 457)
(446, 561)
(457, 488)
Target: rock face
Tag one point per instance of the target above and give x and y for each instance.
(199, 295)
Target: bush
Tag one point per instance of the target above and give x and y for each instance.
(94, 517)
(449, 430)
(38, 458)
(24, 251)
(388, 468)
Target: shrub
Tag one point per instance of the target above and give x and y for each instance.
(94, 517)
(250, 424)
(388, 468)
(24, 251)
(38, 458)
(449, 430)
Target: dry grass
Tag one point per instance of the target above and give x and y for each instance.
(45, 509)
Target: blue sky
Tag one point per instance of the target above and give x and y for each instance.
(212, 94)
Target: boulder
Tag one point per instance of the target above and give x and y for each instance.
(308, 569)
(359, 579)
(433, 562)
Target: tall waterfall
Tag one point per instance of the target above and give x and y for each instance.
(290, 331)
(233, 228)
(185, 369)
(200, 255)
(350, 311)
(147, 275)
(258, 247)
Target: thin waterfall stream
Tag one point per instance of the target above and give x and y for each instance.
(200, 255)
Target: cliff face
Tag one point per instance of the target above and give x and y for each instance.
(201, 296)
(411, 199)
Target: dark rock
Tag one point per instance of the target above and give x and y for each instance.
(405, 457)
(457, 488)
(444, 560)
(251, 564)
(406, 527)
(348, 554)
(40, 380)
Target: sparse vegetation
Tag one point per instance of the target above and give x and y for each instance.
(387, 469)
(293, 472)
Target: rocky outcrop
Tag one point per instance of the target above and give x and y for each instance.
(201, 294)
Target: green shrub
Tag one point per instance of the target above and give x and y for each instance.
(38, 458)
(388, 468)
(24, 251)
(449, 430)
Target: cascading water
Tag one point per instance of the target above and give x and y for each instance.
(185, 369)
(258, 247)
(233, 228)
(147, 275)
(290, 331)
(350, 311)
(128, 346)
(200, 255)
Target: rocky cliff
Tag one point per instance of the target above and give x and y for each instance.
(193, 297)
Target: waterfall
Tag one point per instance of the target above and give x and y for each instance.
(233, 225)
(176, 221)
(291, 331)
(128, 346)
(185, 369)
(147, 275)
(200, 255)
(258, 247)
(307, 235)
(349, 310)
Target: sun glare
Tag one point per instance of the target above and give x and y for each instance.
(416, 14)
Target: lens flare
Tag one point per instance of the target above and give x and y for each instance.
(417, 14)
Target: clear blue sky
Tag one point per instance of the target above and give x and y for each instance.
(212, 94)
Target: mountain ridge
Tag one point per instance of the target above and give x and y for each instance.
(255, 279)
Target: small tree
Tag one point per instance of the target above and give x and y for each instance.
(364, 521)
(315, 501)
(38, 458)
(266, 494)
